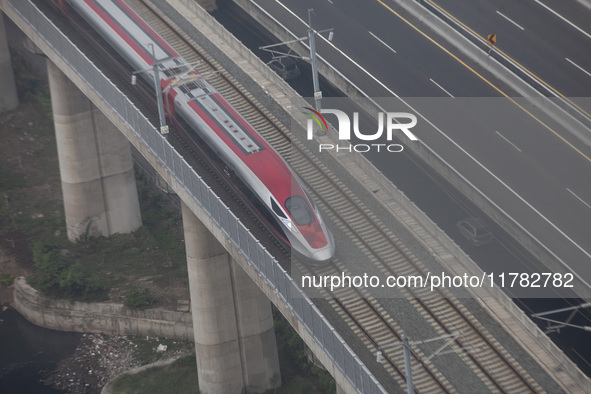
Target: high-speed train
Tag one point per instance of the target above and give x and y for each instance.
(191, 100)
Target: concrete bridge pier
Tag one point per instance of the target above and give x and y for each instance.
(8, 96)
(234, 336)
(98, 182)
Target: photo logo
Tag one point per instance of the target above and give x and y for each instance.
(318, 118)
(390, 121)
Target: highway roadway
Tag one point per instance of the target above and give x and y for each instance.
(521, 158)
(550, 38)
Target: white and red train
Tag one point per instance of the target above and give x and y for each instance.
(288, 207)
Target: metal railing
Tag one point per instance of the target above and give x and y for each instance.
(274, 275)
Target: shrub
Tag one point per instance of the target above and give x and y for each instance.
(6, 279)
(60, 278)
(139, 299)
(290, 342)
(10, 180)
(29, 86)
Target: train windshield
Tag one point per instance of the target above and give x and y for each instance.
(299, 211)
(309, 198)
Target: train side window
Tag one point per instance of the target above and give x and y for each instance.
(299, 211)
(276, 209)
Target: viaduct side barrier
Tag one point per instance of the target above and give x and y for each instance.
(419, 148)
(336, 356)
(99, 317)
(498, 304)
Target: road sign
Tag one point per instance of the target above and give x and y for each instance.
(492, 39)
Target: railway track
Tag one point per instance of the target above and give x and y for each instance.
(365, 316)
(446, 314)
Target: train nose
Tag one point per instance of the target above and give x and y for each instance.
(326, 253)
(323, 255)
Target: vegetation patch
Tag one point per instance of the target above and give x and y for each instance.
(64, 278)
(179, 377)
(30, 87)
(10, 180)
(146, 349)
(148, 260)
(32, 219)
(6, 279)
(140, 299)
(298, 373)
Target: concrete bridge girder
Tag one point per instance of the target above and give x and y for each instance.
(8, 95)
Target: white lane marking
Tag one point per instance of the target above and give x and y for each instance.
(505, 138)
(563, 18)
(454, 143)
(441, 87)
(510, 20)
(577, 66)
(578, 198)
(383, 43)
(330, 1)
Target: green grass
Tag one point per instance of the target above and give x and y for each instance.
(30, 87)
(32, 212)
(155, 250)
(10, 180)
(181, 377)
(177, 378)
(298, 385)
(298, 374)
(145, 350)
(6, 279)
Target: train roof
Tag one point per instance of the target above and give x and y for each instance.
(128, 27)
(245, 142)
(130, 34)
(261, 159)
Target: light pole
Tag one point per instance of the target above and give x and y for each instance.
(406, 344)
(312, 39)
(158, 90)
(567, 322)
(410, 387)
